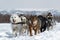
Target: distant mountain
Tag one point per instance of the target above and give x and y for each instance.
(4, 12)
(55, 12)
(33, 12)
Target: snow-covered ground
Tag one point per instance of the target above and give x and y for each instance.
(6, 33)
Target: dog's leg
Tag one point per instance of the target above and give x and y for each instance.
(38, 30)
(51, 27)
(35, 32)
(30, 29)
(14, 33)
(39, 26)
(27, 30)
(20, 31)
(41, 29)
(48, 28)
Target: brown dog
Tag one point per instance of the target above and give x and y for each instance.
(34, 25)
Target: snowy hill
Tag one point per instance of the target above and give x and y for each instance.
(30, 11)
(6, 33)
(55, 12)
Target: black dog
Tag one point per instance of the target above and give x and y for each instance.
(44, 22)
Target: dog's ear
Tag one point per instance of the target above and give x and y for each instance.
(19, 15)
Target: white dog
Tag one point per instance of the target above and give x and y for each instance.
(16, 27)
(14, 20)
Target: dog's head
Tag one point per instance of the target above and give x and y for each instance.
(34, 20)
(23, 18)
(15, 18)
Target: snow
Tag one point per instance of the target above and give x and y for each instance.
(6, 33)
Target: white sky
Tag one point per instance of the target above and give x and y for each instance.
(31, 4)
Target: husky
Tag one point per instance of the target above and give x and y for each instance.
(25, 25)
(14, 19)
(19, 25)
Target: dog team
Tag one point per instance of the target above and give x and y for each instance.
(28, 23)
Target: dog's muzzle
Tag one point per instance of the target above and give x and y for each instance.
(14, 20)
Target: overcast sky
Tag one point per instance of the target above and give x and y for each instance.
(35, 4)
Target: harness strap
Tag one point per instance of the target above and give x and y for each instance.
(19, 23)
